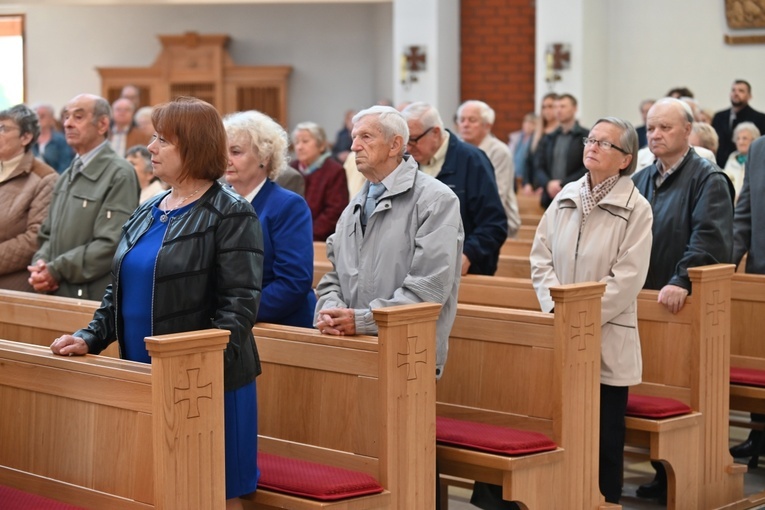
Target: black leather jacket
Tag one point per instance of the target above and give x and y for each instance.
(692, 220)
(208, 275)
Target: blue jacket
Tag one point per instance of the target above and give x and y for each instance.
(470, 175)
(57, 152)
(285, 218)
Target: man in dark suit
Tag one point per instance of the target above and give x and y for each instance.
(558, 159)
(469, 173)
(726, 121)
(749, 237)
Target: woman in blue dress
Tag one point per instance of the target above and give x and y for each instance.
(190, 259)
(257, 152)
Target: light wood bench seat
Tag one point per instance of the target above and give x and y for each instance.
(531, 371)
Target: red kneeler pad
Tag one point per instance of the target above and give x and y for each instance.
(13, 499)
(642, 406)
(313, 480)
(747, 376)
(491, 438)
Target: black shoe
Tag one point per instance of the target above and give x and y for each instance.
(652, 490)
(744, 450)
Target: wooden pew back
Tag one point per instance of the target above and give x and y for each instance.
(104, 433)
(530, 370)
(361, 403)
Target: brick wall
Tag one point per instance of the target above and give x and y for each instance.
(497, 39)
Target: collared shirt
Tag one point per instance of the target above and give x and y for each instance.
(433, 167)
(591, 196)
(7, 167)
(119, 140)
(88, 156)
(663, 174)
(252, 194)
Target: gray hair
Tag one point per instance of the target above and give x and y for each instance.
(628, 140)
(746, 126)
(426, 114)
(708, 137)
(316, 131)
(487, 113)
(267, 138)
(142, 152)
(101, 108)
(392, 123)
(26, 119)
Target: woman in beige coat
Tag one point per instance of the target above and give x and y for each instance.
(599, 229)
(26, 186)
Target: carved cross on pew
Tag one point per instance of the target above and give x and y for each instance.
(582, 330)
(193, 392)
(411, 357)
(415, 61)
(719, 307)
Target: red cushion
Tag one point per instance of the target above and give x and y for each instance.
(747, 376)
(643, 406)
(491, 438)
(312, 480)
(13, 499)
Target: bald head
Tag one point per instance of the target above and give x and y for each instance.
(668, 124)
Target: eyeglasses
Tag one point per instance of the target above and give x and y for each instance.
(4, 128)
(413, 140)
(606, 146)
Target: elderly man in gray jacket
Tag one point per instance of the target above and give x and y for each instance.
(399, 241)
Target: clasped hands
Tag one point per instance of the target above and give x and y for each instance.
(40, 278)
(337, 321)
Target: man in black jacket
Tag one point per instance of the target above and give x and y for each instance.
(692, 202)
(726, 121)
(558, 159)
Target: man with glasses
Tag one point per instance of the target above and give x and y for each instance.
(469, 173)
(692, 202)
(558, 159)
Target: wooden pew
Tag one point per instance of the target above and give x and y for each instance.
(38, 321)
(356, 403)
(360, 403)
(516, 247)
(81, 429)
(513, 260)
(529, 204)
(685, 357)
(747, 346)
(533, 371)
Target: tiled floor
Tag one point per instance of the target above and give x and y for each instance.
(635, 473)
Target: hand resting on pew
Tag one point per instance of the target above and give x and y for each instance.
(337, 321)
(69, 345)
(673, 297)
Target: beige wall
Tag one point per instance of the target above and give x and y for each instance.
(340, 52)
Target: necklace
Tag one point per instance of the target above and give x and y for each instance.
(164, 217)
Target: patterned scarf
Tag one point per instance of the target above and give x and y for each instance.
(591, 196)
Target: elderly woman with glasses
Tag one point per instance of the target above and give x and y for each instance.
(599, 229)
(26, 187)
(326, 187)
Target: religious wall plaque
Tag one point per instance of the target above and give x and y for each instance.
(745, 13)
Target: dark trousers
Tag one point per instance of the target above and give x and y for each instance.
(613, 406)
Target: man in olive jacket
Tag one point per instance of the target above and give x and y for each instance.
(91, 201)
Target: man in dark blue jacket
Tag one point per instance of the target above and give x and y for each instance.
(469, 173)
(692, 204)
